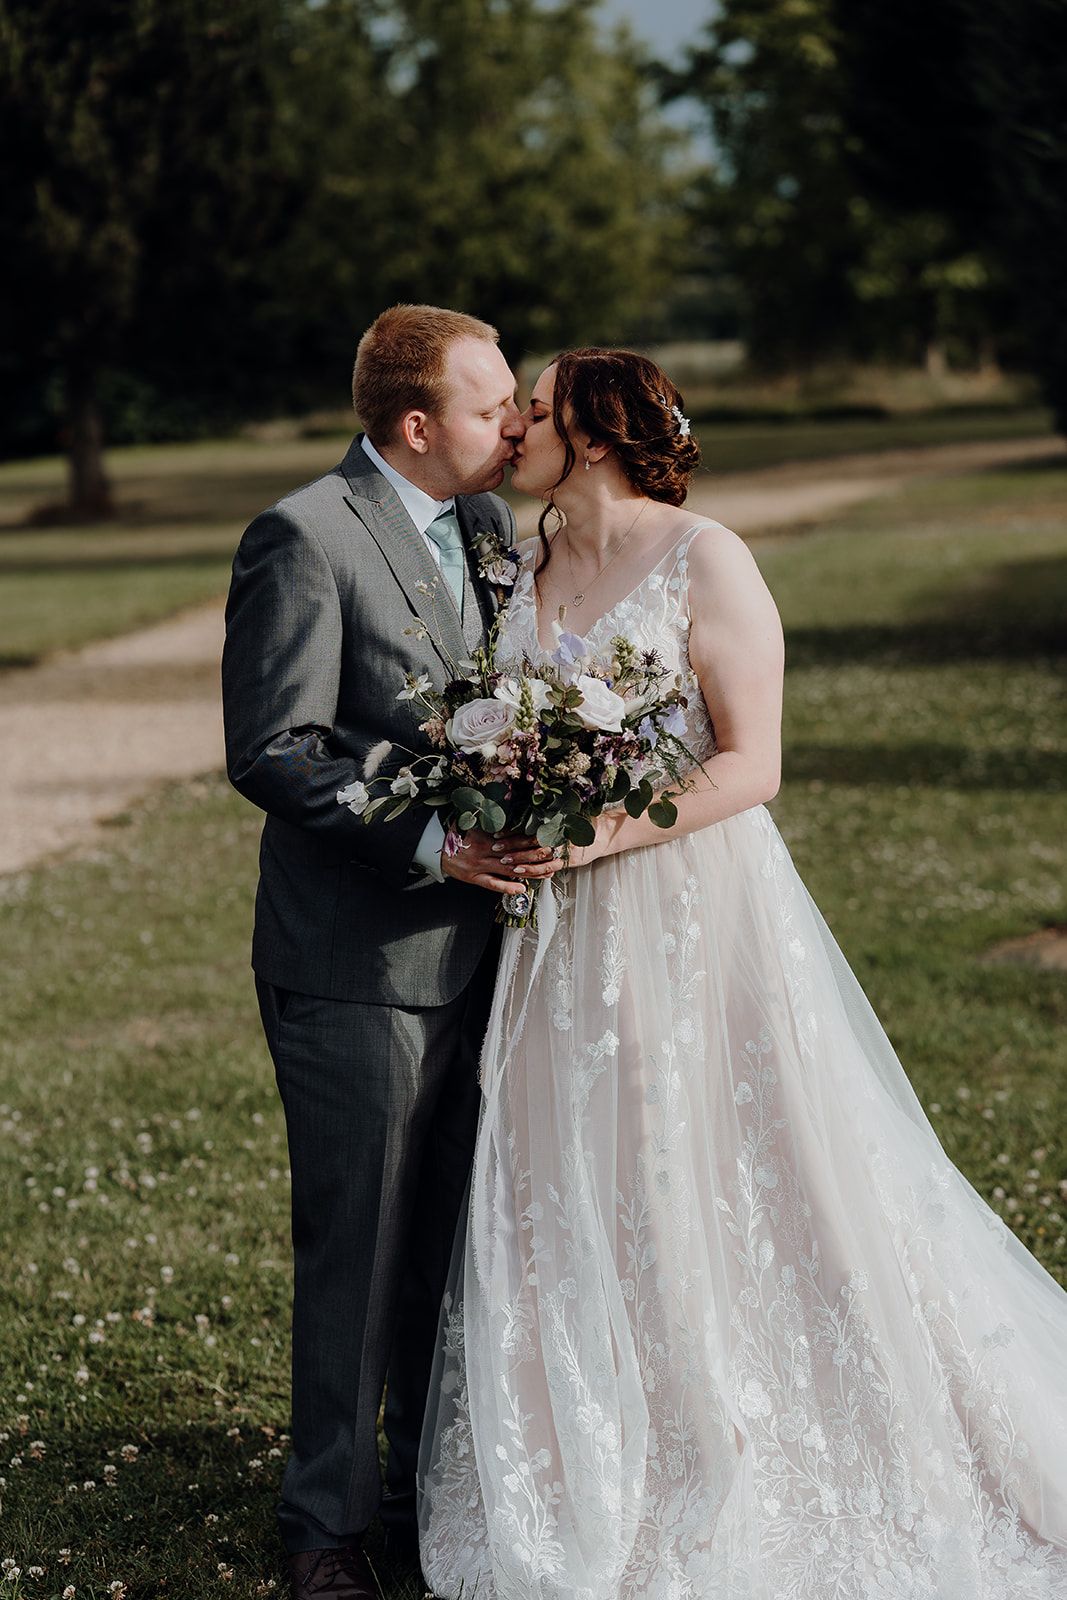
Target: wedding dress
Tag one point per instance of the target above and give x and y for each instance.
(726, 1323)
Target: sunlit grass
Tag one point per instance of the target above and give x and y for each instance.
(182, 508)
(144, 1302)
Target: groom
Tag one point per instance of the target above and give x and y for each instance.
(374, 953)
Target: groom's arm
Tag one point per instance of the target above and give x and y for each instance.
(280, 674)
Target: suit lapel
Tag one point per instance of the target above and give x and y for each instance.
(479, 597)
(377, 505)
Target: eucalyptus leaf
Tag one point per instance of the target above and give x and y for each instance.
(493, 817)
(664, 813)
(580, 830)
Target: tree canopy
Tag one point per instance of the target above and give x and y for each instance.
(212, 204)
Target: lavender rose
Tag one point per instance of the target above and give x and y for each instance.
(479, 726)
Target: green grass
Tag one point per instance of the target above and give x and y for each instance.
(142, 1159)
(744, 446)
(182, 509)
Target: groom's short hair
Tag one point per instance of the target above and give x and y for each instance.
(400, 364)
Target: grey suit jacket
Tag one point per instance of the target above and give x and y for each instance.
(324, 585)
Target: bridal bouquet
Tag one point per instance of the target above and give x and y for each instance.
(539, 750)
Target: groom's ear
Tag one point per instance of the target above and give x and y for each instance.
(413, 431)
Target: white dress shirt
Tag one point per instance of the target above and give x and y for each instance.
(422, 509)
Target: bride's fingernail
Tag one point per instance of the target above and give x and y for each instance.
(505, 861)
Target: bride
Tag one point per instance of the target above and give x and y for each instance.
(726, 1323)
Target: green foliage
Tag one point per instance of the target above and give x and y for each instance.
(820, 265)
(214, 203)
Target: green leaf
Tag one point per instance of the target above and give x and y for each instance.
(467, 799)
(621, 787)
(493, 817)
(580, 830)
(664, 813)
(466, 821)
(550, 833)
(634, 803)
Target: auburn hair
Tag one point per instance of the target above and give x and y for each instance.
(400, 364)
(626, 401)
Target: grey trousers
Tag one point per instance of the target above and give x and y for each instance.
(381, 1108)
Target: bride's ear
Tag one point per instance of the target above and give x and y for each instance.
(594, 452)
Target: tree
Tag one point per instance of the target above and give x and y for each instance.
(519, 168)
(827, 257)
(973, 126)
(212, 202)
(138, 149)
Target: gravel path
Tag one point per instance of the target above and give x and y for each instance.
(88, 732)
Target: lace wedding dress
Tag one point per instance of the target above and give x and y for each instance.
(726, 1322)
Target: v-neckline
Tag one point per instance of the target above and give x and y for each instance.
(586, 632)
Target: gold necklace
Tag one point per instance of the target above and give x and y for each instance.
(579, 598)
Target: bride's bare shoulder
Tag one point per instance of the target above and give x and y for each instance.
(723, 570)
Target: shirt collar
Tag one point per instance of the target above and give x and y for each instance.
(420, 507)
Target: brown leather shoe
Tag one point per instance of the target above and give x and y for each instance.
(340, 1574)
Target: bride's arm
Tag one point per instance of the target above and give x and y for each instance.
(737, 653)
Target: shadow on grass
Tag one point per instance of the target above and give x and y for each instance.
(194, 1509)
(1019, 613)
(927, 765)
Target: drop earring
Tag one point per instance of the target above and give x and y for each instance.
(587, 463)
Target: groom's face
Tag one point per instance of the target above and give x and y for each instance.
(473, 436)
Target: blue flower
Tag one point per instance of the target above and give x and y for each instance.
(675, 722)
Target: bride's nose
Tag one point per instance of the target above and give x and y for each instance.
(514, 424)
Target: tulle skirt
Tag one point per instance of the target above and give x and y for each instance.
(725, 1321)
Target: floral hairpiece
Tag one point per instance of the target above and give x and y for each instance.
(680, 418)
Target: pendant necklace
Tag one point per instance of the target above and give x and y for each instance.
(579, 598)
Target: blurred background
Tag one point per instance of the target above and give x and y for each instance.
(842, 227)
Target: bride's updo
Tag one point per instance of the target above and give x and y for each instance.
(621, 399)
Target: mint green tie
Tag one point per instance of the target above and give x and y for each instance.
(445, 532)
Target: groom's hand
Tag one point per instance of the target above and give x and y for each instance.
(499, 863)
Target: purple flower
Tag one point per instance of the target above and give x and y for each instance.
(453, 843)
(571, 648)
(648, 730)
(675, 723)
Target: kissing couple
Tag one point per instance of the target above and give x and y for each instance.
(715, 1318)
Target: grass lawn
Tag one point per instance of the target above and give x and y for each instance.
(143, 1324)
(183, 508)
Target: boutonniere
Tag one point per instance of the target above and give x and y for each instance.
(498, 563)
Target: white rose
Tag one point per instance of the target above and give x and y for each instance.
(601, 707)
(510, 691)
(479, 723)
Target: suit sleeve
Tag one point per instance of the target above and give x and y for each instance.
(281, 669)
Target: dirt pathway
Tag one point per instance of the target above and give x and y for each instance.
(88, 732)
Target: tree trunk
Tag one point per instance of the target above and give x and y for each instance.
(89, 487)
